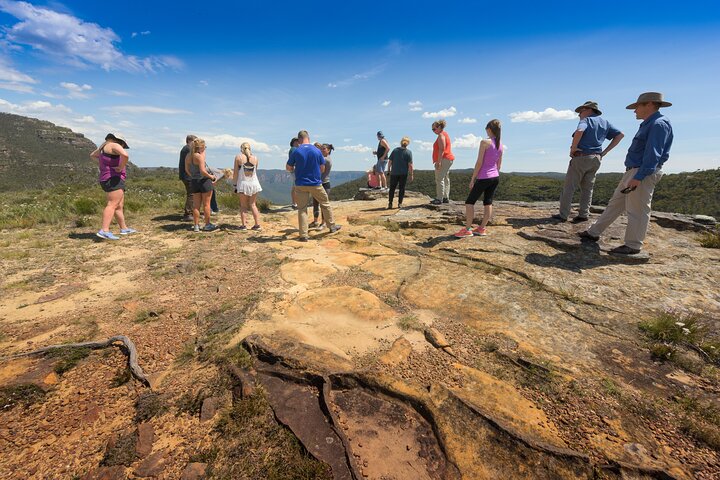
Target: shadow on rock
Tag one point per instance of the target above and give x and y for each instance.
(85, 236)
(168, 218)
(575, 259)
(530, 222)
(176, 227)
(432, 242)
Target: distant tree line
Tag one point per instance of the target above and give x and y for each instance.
(692, 193)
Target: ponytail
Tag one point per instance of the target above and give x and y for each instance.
(496, 129)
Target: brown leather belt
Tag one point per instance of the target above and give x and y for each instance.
(581, 154)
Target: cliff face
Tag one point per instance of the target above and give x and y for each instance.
(38, 154)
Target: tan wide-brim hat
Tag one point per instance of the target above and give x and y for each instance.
(118, 138)
(589, 104)
(656, 97)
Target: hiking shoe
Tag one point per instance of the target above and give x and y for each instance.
(557, 216)
(242, 227)
(624, 250)
(436, 202)
(586, 236)
(196, 228)
(303, 239)
(445, 200)
(313, 224)
(335, 228)
(389, 207)
(399, 206)
(209, 227)
(579, 219)
(107, 235)
(257, 228)
(479, 231)
(464, 232)
(127, 231)
(294, 206)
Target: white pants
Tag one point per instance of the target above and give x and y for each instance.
(442, 179)
(635, 203)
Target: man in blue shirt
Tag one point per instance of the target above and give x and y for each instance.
(585, 155)
(308, 164)
(648, 152)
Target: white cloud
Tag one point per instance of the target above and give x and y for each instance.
(358, 77)
(135, 34)
(119, 93)
(467, 141)
(133, 109)
(204, 83)
(415, 106)
(467, 120)
(37, 106)
(385, 103)
(75, 42)
(547, 115)
(231, 141)
(9, 74)
(75, 90)
(85, 119)
(12, 79)
(427, 146)
(360, 148)
(17, 87)
(444, 113)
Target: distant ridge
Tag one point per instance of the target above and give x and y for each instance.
(39, 154)
(691, 193)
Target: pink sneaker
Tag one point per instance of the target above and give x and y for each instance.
(479, 231)
(464, 232)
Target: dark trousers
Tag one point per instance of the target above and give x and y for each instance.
(213, 202)
(396, 180)
(188, 198)
(316, 204)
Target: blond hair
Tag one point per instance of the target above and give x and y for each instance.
(245, 149)
(405, 142)
(197, 145)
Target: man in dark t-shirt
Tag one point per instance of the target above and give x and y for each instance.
(308, 164)
(187, 214)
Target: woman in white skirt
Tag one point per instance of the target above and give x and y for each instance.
(247, 185)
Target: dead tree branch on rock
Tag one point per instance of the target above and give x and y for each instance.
(121, 341)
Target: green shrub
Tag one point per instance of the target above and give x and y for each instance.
(711, 239)
(85, 206)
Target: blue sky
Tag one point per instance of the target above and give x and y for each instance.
(229, 72)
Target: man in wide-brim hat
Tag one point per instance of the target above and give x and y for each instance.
(586, 153)
(648, 152)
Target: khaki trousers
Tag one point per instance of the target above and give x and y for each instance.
(442, 179)
(581, 172)
(303, 200)
(637, 206)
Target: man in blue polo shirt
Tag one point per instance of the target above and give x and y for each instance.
(308, 164)
(648, 152)
(586, 152)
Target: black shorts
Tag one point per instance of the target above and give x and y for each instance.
(112, 184)
(201, 186)
(486, 186)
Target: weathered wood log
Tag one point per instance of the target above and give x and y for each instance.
(121, 341)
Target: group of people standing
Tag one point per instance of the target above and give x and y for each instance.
(310, 166)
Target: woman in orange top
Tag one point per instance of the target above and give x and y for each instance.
(442, 160)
